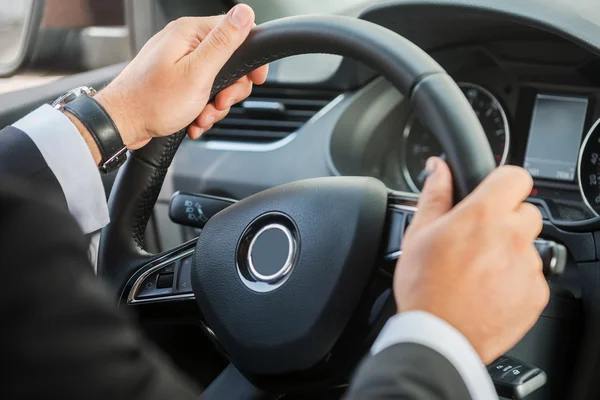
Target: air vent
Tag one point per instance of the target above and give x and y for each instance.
(270, 114)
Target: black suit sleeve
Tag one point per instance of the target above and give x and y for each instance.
(21, 160)
(62, 335)
(407, 371)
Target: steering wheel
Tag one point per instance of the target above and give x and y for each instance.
(292, 281)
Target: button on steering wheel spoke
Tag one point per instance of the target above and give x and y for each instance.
(167, 278)
(401, 208)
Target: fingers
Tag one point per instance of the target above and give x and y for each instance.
(182, 36)
(436, 197)
(194, 131)
(529, 220)
(220, 43)
(196, 30)
(531, 257)
(542, 293)
(209, 116)
(259, 76)
(234, 94)
(199, 27)
(217, 110)
(504, 189)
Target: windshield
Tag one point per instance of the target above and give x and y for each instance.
(267, 10)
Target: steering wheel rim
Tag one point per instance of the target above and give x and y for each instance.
(437, 99)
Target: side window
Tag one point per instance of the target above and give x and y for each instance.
(74, 36)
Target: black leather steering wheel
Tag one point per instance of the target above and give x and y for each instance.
(290, 321)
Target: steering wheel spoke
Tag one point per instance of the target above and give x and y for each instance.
(166, 278)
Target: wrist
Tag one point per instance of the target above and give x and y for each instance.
(132, 136)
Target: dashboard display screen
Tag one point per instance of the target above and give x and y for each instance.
(555, 136)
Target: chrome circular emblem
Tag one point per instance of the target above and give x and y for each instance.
(271, 253)
(267, 252)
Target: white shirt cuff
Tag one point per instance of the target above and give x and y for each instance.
(71, 161)
(428, 330)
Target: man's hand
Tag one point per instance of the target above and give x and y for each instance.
(475, 265)
(167, 86)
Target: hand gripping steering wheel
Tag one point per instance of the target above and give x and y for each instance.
(290, 280)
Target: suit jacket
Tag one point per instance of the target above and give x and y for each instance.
(62, 335)
(407, 371)
(64, 338)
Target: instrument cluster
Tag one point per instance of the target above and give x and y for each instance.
(420, 145)
(552, 132)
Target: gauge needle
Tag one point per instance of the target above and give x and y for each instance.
(423, 174)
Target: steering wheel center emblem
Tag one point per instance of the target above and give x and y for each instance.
(267, 252)
(271, 253)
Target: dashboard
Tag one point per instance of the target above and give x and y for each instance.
(533, 79)
(536, 93)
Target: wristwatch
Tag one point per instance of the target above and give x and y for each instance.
(81, 103)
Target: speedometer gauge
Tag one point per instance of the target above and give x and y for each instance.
(588, 169)
(419, 144)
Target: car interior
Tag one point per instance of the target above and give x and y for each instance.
(331, 152)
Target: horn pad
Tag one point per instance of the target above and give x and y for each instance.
(279, 274)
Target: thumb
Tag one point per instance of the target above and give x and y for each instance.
(218, 46)
(436, 197)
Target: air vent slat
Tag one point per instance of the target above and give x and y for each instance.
(256, 124)
(231, 134)
(291, 115)
(253, 123)
(296, 103)
(301, 114)
(294, 93)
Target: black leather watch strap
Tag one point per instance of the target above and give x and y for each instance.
(102, 128)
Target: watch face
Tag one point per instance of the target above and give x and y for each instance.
(72, 95)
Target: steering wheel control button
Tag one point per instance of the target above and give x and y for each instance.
(195, 210)
(165, 281)
(397, 221)
(184, 280)
(271, 253)
(150, 287)
(169, 269)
